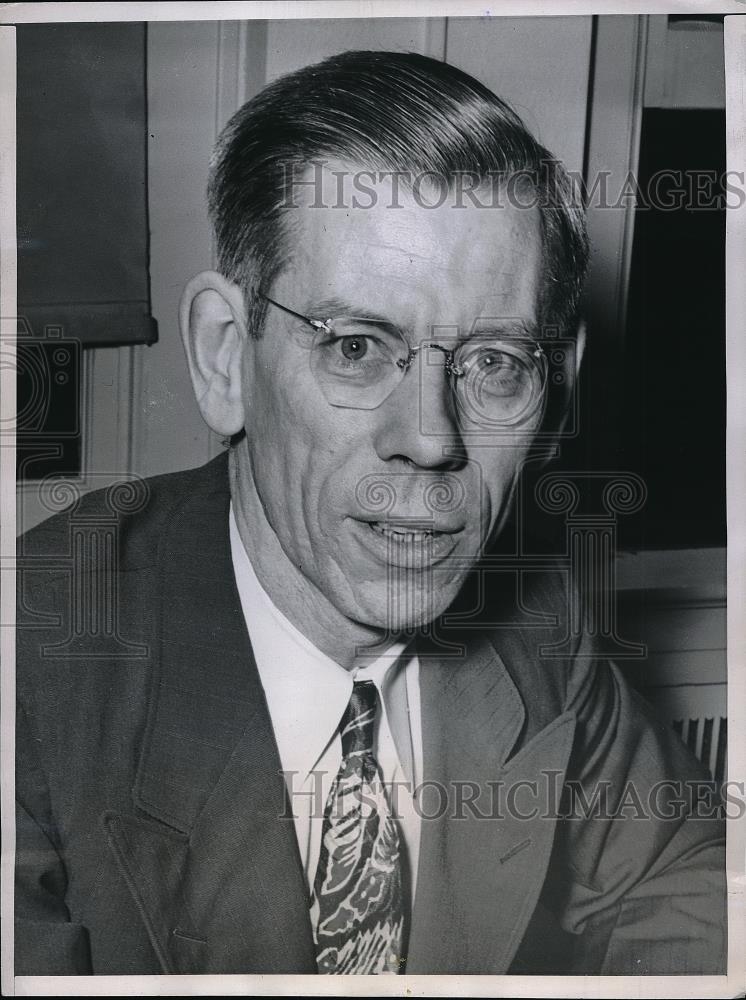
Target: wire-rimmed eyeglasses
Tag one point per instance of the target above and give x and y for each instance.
(358, 362)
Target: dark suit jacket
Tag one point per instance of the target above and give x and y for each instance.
(151, 835)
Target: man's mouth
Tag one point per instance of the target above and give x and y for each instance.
(407, 533)
(402, 534)
(409, 544)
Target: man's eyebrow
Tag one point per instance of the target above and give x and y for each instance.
(505, 327)
(333, 308)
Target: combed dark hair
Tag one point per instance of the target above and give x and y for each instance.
(387, 111)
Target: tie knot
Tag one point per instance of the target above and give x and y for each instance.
(359, 718)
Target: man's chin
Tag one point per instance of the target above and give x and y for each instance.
(394, 609)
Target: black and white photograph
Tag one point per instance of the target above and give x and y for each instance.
(373, 547)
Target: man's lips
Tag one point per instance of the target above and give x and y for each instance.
(410, 544)
(409, 531)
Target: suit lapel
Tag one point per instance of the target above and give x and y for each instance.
(481, 864)
(210, 860)
(244, 888)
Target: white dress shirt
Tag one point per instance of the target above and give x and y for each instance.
(307, 694)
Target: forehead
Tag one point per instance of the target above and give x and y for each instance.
(413, 247)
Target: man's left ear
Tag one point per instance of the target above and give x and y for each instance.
(579, 346)
(560, 411)
(213, 328)
(573, 376)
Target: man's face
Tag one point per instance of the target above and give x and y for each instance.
(341, 487)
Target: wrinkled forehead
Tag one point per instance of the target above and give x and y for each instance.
(413, 239)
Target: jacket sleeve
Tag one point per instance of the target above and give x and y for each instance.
(642, 850)
(46, 942)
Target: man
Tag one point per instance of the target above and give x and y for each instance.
(321, 736)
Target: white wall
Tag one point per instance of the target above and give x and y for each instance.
(539, 65)
(168, 430)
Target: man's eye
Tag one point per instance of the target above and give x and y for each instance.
(494, 364)
(494, 360)
(357, 350)
(493, 371)
(353, 348)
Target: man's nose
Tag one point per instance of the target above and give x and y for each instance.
(418, 422)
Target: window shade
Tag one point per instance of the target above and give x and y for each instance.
(82, 182)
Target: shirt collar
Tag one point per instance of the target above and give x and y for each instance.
(306, 691)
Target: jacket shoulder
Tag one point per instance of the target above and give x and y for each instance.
(140, 508)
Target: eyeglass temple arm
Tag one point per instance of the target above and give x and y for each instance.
(317, 324)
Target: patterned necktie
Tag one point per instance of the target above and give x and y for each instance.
(356, 907)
